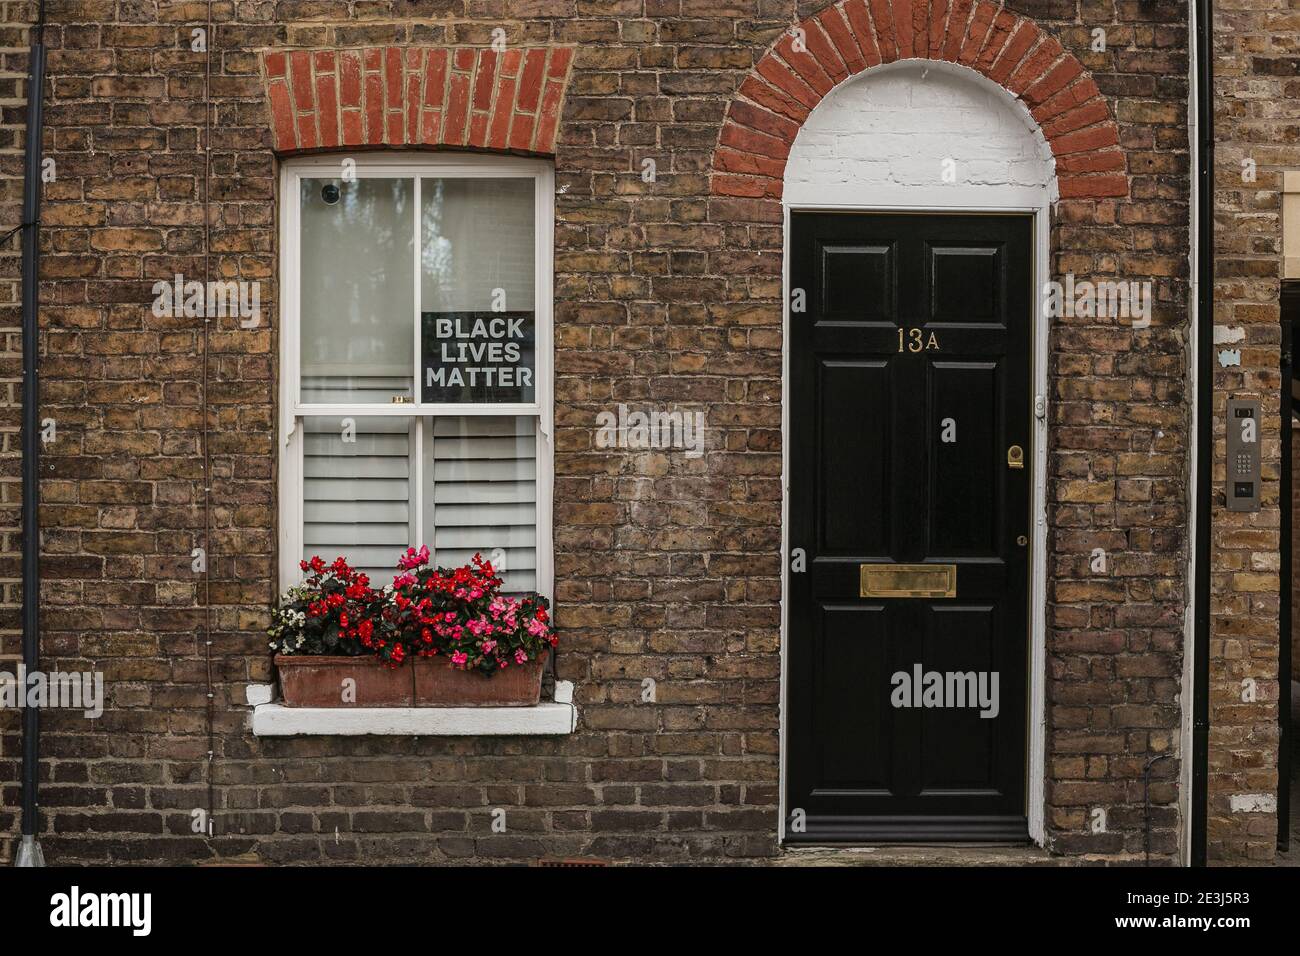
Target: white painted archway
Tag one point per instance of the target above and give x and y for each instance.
(931, 136)
(920, 134)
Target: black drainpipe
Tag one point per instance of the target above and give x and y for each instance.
(29, 849)
(1204, 425)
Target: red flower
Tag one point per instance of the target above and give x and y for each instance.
(426, 612)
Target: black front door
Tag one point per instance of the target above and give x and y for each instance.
(909, 515)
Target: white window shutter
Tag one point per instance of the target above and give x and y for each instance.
(357, 495)
(481, 494)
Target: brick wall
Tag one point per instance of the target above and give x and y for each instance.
(14, 41)
(1118, 450)
(1255, 114)
(668, 293)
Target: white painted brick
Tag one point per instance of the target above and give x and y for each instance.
(1253, 802)
(890, 127)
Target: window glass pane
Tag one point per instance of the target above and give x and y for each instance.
(357, 491)
(357, 289)
(480, 494)
(477, 333)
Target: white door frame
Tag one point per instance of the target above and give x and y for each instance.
(939, 202)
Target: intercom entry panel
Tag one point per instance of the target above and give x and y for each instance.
(1242, 479)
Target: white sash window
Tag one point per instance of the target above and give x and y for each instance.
(415, 357)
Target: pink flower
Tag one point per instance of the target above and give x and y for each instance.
(487, 646)
(536, 628)
(521, 657)
(459, 658)
(413, 559)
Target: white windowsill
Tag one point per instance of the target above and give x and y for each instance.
(548, 718)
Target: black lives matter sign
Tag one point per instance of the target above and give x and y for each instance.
(478, 357)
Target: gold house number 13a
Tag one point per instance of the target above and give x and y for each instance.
(914, 340)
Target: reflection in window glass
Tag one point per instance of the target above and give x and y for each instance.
(476, 235)
(357, 495)
(357, 290)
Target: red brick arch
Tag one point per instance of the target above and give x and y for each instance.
(416, 96)
(854, 35)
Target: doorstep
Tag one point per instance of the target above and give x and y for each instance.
(955, 854)
(549, 718)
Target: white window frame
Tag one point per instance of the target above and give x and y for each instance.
(408, 164)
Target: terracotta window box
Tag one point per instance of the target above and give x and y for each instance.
(351, 682)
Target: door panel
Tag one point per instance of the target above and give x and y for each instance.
(850, 394)
(849, 271)
(966, 282)
(964, 477)
(854, 646)
(957, 752)
(909, 381)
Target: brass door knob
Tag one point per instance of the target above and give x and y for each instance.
(1015, 457)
